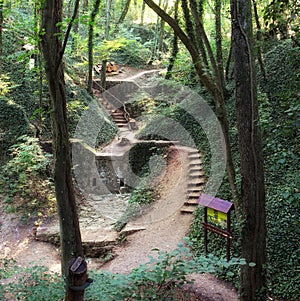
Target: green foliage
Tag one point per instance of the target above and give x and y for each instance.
(142, 155)
(33, 283)
(135, 50)
(13, 123)
(25, 179)
(144, 195)
(158, 279)
(283, 17)
(282, 107)
(131, 53)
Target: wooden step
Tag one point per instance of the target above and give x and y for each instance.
(121, 124)
(194, 156)
(119, 119)
(193, 195)
(196, 173)
(191, 202)
(193, 163)
(196, 181)
(187, 209)
(195, 189)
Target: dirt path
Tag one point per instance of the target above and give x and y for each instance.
(163, 226)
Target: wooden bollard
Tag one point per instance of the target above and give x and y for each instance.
(79, 280)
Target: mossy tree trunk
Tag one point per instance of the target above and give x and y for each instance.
(52, 49)
(253, 234)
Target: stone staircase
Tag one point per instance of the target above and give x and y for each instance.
(196, 181)
(119, 118)
(117, 115)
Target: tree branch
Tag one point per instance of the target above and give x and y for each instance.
(68, 34)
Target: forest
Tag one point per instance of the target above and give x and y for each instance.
(220, 76)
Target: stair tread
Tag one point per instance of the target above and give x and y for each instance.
(196, 181)
(187, 209)
(193, 202)
(196, 173)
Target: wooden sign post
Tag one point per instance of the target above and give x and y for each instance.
(216, 219)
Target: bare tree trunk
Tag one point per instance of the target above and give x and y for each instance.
(52, 49)
(197, 12)
(161, 33)
(175, 48)
(107, 28)
(1, 38)
(124, 12)
(253, 278)
(143, 13)
(91, 45)
(259, 39)
(218, 25)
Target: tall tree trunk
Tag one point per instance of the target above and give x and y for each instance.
(107, 28)
(197, 12)
(253, 279)
(122, 16)
(143, 13)
(259, 40)
(1, 38)
(52, 49)
(218, 25)
(91, 45)
(175, 48)
(124, 12)
(161, 33)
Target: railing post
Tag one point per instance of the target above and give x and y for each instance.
(78, 279)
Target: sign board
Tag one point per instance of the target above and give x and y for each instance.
(216, 218)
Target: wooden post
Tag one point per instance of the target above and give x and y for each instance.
(205, 232)
(228, 238)
(78, 279)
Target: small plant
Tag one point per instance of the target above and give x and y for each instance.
(33, 283)
(25, 179)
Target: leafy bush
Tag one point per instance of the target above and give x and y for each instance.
(158, 279)
(25, 179)
(13, 123)
(33, 283)
(132, 53)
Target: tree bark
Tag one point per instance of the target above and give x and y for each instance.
(219, 54)
(175, 48)
(259, 39)
(197, 12)
(1, 27)
(143, 13)
(253, 232)
(91, 45)
(107, 28)
(52, 49)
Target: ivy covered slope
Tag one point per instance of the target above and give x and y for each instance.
(280, 115)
